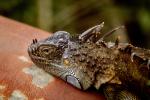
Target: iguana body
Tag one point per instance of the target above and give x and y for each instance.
(90, 62)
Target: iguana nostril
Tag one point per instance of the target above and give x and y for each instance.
(32, 50)
(29, 50)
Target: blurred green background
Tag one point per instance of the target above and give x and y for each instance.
(75, 16)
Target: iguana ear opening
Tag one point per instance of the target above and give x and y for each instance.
(73, 81)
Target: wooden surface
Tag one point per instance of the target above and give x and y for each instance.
(16, 81)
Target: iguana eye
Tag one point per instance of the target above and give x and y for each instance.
(46, 50)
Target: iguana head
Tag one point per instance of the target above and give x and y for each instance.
(47, 52)
(53, 54)
(50, 49)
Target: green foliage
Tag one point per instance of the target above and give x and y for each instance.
(9, 4)
(144, 19)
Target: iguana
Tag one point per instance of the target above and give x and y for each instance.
(121, 70)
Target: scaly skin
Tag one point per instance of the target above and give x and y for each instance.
(90, 62)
